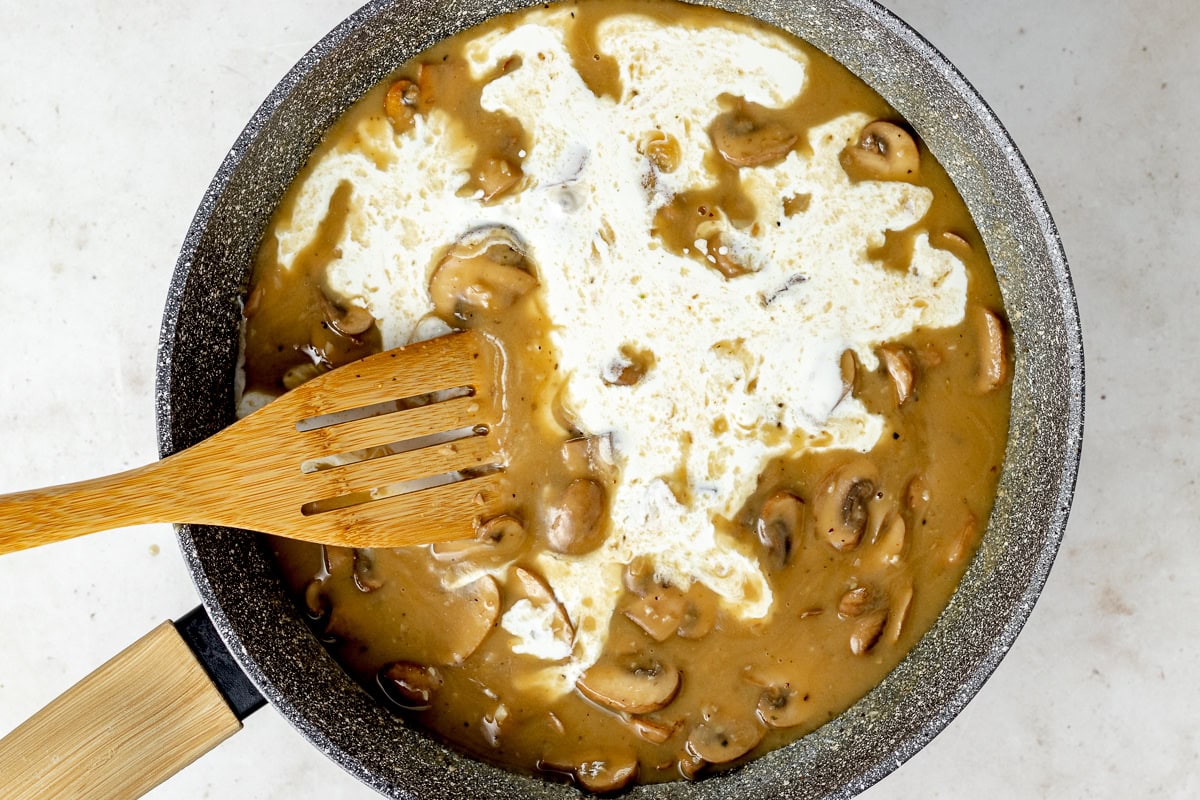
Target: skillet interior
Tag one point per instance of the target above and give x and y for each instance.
(262, 625)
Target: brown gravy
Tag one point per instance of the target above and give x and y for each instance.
(862, 551)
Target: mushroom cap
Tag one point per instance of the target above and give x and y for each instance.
(634, 684)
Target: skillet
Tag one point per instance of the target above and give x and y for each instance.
(262, 627)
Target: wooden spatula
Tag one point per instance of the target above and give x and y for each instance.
(392, 450)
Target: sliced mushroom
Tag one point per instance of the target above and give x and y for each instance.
(484, 271)
(349, 321)
(365, 579)
(539, 594)
(482, 604)
(743, 143)
(652, 730)
(496, 176)
(699, 615)
(658, 613)
(781, 706)
(867, 630)
(918, 495)
(779, 525)
(254, 301)
(849, 369)
(855, 602)
(901, 602)
(884, 152)
(840, 505)
(640, 578)
(901, 368)
(961, 544)
(613, 772)
(689, 764)
(588, 455)
(300, 374)
(337, 560)
(400, 104)
(576, 520)
(889, 543)
(953, 242)
(632, 684)
(409, 685)
(491, 725)
(497, 540)
(993, 358)
(722, 738)
(316, 602)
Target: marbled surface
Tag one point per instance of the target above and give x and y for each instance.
(114, 117)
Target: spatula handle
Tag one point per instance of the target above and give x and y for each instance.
(122, 730)
(42, 516)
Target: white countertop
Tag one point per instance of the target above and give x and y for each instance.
(114, 117)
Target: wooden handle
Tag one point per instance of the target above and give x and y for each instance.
(42, 516)
(122, 730)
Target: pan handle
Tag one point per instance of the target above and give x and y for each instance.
(156, 707)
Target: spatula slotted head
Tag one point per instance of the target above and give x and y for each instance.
(392, 450)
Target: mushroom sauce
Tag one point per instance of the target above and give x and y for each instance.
(755, 383)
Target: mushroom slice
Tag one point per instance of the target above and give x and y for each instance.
(918, 495)
(884, 152)
(867, 631)
(400, 104)
(348, 321)
(652, 730)
(409, 685)
(588, 455)
(316, 602)
(901, 368)
(635, 683)
(889, 543)
(779, 525)
(498, 540)
(781, 706)
(901, 602)
(469, 630)
(484, 271)
(542, 598)
(365, 578)
(700, 613)
(299, 374)
(841, 504)
(495, 177)
(689, 764)
(639, 576)
(993, 359)
(744, 143)
(337, 560)
(576, 520)
(961, 544)
(659, 613)
(848, 365)
(855, 602)
(610, 773)
(721, 738)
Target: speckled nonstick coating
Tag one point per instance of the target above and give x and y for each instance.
(262, 625)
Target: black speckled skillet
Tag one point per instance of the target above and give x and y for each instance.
(261, 625)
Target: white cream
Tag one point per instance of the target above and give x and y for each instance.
(731, 357)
